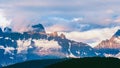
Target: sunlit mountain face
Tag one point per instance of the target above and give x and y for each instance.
(52, 29)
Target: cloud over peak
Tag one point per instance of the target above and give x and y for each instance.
(3, 20)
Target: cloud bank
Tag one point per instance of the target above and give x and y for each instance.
(91, 14)
(92, 37)
(4, 22)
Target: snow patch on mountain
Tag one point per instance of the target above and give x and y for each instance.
(111, 55)
(45, 47)
(23, 45)
(8, 50)
(108, 55)
(71, 54)
(41, 46)
(46, 44)
(117, 40)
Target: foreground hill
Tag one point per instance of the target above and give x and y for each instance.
(95, 62)
(35, 63)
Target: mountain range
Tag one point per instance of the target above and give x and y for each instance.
(36, 44)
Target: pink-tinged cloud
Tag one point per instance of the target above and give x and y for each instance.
(57, 28)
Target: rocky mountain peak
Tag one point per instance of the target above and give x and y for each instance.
(1, 30)
(38, 28)
(117, 33)
(54, 34)
(62, 36)
(112, 43)
(7, 30)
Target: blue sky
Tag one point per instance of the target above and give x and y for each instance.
(77, 16)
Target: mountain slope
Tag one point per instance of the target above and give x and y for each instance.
(110, 47)
(37, 44)
(112, 43)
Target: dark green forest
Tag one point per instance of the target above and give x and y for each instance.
(88, 62)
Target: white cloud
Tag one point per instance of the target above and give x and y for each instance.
(78, 19)
(3, 20)
(117, 20)
(63, 8)
(63, 24)
(110, 11)
(92, 37)
(57, 28)
(75, 9)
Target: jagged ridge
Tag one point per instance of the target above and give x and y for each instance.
(33, 45)
(112, 43)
